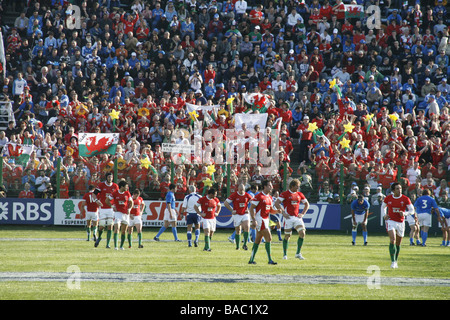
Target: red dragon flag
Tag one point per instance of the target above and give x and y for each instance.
(354, 11)
(92, 144)
(20, 152)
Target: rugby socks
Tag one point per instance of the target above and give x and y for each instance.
(88, 231)
(299, 244)
(245, 238)
(252, 234)
(279, 234)
(233, 235)
(175, 233)
(108, 237)
(397, 251)
(254, 250)
(116, 239)
(197, 235)
(237, 237)
(392, 251)
(285, 246)
(268, 250)
(207, 243)
(364, 236)
(353, 236)
(424, 237)
(189, 238)
(140, 238)
(160, 231)
(122, 240)
(129, 239)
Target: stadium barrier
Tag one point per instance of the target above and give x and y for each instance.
(69, 212)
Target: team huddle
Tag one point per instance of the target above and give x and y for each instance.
(112, 208)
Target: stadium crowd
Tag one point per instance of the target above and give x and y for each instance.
(65, 74)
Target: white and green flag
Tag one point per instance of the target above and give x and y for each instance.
(92, 144)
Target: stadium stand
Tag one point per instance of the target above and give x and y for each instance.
(377, 95)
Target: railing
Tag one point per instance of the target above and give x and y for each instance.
(319, 186)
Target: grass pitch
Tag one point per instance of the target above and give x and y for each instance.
(57, 263)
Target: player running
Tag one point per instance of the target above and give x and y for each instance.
(398, 206)
(92, 204)
(210, 208)
(425, 205)
(122, 203)
(237, 203)
(192, 217)
(291, 199)
(136, 218)
(260, 209)
(106, 213)
(360, 211)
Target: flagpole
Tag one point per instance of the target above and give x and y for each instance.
(228, 179)
(58, 177)
(1, 171)
(115, 170)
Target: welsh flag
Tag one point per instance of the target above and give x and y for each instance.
(354, 11)
(258, 101)
(92, 144)
(19, 152)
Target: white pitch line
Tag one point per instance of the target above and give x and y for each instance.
(216, 278)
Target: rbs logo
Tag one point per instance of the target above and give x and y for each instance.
(34, 211)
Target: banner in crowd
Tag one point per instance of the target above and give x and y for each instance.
(193, 107)
(177, 148)
(258, 101)
(19, 152)
(354, 11)
(251, 120)
(92, 144)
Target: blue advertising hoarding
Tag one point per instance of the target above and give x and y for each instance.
(69, 212)
(27, 211)
(318, 217)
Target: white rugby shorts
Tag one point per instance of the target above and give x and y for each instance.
(209, 224)
(121, 218)
(424, 219)
(92, 216)
(238, 219)
(398, 227)
(168, 217)
(359, 218)
(135, 220)
(294, 223)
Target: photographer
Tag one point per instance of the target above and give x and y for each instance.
(42, 183)
(196, 81)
